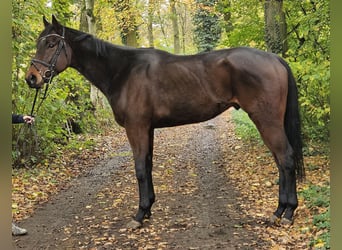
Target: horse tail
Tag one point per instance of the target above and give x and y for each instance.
(292, 123)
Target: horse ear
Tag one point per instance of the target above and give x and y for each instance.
(58, 27)
(46, 23)
(54, 21)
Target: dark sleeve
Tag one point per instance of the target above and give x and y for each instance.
(17, 118)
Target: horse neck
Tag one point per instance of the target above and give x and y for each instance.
(101, 69)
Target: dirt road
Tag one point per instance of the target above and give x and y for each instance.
(197, 206)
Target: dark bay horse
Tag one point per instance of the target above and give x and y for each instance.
(148, 88)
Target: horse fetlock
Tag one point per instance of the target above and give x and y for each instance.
(148, 214)
(143, 213)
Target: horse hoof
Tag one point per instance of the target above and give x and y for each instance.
(133, 224)
(286, 222)
(275, 220)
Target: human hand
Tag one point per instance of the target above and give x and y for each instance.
(28, 119)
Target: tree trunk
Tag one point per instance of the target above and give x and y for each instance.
(150, 23)
(87, 24)
(176, 43)
(275, 27)
(89, 11)
(131, 38)
(83, 18)
(126, 16)
(183, 23)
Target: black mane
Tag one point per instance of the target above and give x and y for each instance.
(99, 46)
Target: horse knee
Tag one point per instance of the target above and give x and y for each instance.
(140, 172)
(140, 175)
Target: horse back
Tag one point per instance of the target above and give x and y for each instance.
(168, 90)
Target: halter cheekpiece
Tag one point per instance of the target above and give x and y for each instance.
(50, 72)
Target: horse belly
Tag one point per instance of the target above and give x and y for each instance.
(187, 114)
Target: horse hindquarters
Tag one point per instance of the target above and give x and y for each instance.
(266, 102)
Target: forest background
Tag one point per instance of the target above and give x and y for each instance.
(299, 31)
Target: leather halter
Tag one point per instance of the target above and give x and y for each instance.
(50, 72)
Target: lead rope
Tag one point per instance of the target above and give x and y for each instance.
(30, 146)
(32, 111)
(43, 98)
(34, 102)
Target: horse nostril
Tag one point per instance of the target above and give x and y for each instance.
(31, 80)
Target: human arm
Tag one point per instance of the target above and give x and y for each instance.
(16, 118)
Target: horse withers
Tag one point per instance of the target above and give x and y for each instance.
(149, 88)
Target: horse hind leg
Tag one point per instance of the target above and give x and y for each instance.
(288, 201)
(273, 134)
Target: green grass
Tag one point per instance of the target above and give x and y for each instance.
(245, 128)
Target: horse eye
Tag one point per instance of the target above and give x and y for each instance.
(51, 45)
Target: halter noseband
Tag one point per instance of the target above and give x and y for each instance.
(50, 72)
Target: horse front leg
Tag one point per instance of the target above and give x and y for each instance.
(149, 165)
(141, 141)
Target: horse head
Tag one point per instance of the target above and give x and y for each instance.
(53, 55)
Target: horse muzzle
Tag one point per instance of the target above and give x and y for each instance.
(34, 79)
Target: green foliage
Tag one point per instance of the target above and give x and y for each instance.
(127, 13)
(317, 196)
(68, 95)
(314, 92)
(309, 57)
(62, 10)
(245, 23)
(318, 199)
(207, 30)
(244, 127)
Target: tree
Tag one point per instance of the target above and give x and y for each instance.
(88, 24)
(89, 13)
(224, 7)
(309, 57)
(174, 19)
(61, 9)
(207, 27)
(150, 13)
(275, 27)
(126, 14)
(243, 23)
(183, 23)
